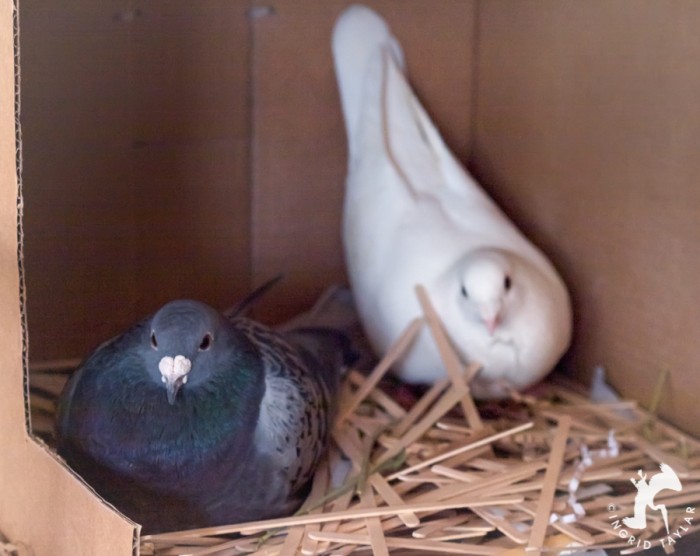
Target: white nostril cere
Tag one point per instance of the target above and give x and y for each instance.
(171, 369)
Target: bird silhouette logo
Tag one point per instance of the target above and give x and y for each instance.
(647, 491)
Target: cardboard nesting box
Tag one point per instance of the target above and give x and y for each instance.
(195, 149)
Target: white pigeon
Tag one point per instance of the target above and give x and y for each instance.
(413, 215)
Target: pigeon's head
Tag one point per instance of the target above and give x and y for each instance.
(486, 287)
(182, 344)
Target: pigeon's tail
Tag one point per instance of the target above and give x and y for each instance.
(242, 307)
(361, 38)
(382, 114)
(328, 350)
(335, 310)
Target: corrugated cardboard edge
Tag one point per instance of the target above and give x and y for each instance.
(42, 503)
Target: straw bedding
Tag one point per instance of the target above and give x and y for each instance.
(538, 473)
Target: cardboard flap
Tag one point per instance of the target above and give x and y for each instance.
(42, 504)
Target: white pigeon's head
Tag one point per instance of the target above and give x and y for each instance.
(487, 287)
(182, 344)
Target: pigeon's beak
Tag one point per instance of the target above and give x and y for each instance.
(173, 387)
(173, 372)
(491, 318)
(491, 324)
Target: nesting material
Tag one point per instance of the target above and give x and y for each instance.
(537, 474)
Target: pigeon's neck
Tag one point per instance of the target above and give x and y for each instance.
(209, 422)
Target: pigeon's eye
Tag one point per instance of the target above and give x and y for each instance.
(464, 291)
(154, 342)
(507, 283)
(206, 342)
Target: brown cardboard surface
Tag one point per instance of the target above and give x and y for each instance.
(136, 131)
(299, 142)
(587, 133)
(137, 124)
(42, 504)
(175, 148)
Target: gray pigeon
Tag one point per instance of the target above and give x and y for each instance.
(191, 419)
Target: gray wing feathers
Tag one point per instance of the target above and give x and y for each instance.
(294, 413)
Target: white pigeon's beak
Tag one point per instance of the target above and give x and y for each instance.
(173, 373)
(491, 318)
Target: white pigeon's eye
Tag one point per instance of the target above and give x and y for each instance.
(154, 342)
(206, 342)
(464, 291)
(507, 283)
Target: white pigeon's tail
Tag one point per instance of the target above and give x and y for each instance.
(382, 114)
(360, 40)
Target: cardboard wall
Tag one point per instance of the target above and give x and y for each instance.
(587, 126)
(196, 149)
(179, 148)
(42, 504)
(136, 163)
